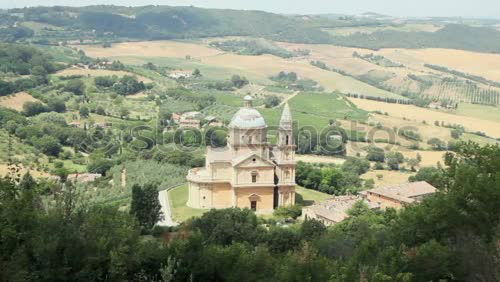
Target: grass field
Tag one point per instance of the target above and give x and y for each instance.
(180, 211)
(491, 113)
(491, 128)
(16, 101)
(310, 196)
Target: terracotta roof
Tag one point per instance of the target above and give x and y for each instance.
(405, 192)
(335, 209)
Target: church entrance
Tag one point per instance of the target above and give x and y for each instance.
(253, 205)
(275, 198)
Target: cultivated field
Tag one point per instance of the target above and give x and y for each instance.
(414, 113)
(344, 31)
(319, 159)
(16, 101)
(255, 67)
(94, 73)
(481, 64)
(389, 177)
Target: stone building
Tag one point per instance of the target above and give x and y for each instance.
(248, 172)
(398, 196)
(334, 210)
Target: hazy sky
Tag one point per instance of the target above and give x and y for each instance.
(465, 8)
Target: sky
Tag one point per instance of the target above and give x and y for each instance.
(411, 8)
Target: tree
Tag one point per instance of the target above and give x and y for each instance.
(272, 101)
(288, 212)
(48, 145)
(228, 226)
(238, 81)
(437, 144)
(197, 73)
(456, 133)
(34, 108)
(99, 164)
(311, 229)
(146, 206)
(84, 111)
(100, 111)
(394, 159)
(431, 175)
(124, 113)
(375, 154)
(57, 105)
(356, 165)
(413, 163)
(76, 86)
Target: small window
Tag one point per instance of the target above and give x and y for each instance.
(253, 205)
(254, 177)
(204, 197)
(250, 140)
(287, 140)
(254, 160)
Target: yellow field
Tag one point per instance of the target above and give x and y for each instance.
(35, 173)
(319, 159)
(94, 73)
(389, 177)
(16, 101)
(256, 66)
(371, 29)
(481, 64)
(411, 112)
(173, 49)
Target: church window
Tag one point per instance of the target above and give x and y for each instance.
(254, 177)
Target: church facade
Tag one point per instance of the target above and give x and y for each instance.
(248, 172)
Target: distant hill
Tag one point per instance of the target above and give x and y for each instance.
(107, 23)
(454, 36)
(164, 22)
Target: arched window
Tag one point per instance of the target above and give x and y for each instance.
(287, 140)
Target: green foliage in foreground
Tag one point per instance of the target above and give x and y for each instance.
(452, 235)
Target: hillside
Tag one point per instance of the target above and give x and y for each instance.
(452, 36)
(164, 22)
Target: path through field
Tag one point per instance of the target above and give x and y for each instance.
(165, 208)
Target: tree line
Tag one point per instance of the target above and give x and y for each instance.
(49, 234)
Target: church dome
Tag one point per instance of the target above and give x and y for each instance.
(247, 118)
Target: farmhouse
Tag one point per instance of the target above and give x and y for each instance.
(335, 210)
(332, 211)
(398, 196)
(248, 172)
(188, 120)
(177, 74)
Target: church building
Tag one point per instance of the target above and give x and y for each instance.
(249, 172)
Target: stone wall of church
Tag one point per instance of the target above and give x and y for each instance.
(243, 176)
(264, 196)
(223, 195)
(221, 171)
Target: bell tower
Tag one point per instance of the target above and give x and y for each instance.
(285, 145)
(285, 159)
